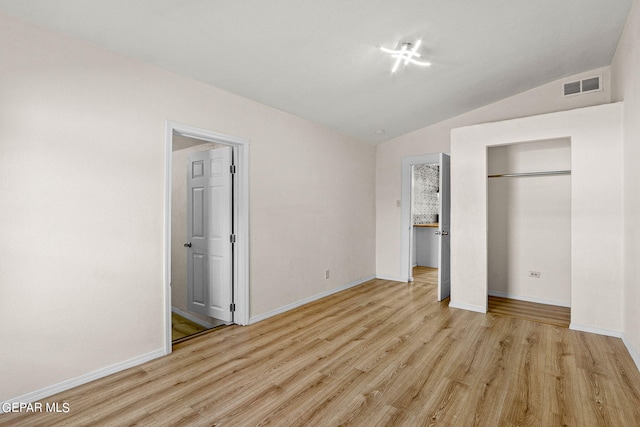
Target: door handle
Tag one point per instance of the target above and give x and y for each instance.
(187, 245)
(437, 233)
(445, 233)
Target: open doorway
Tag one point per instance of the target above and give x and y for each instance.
(425, 211)
(425, 214)
(192, 274)
(187, 319)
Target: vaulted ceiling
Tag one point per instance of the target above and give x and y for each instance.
(321, 60)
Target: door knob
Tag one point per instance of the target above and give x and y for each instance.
(187, 245)
(437, 233)
(445, 233)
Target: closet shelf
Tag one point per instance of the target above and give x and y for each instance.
(509, 175)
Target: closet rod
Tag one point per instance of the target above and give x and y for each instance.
(507, 175)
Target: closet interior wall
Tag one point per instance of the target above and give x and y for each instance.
(529, 222)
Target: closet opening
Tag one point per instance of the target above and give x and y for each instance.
(529, 230)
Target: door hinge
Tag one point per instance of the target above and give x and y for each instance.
(232, 307)
(232, 238)
(232, 169)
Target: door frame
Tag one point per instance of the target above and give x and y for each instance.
(405, 210)
(240, 214)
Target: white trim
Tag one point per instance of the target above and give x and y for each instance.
(635, 355)
(468, 307)
(166, 259)
(194, 319)
(594, 330)
(86, 378)
(310, 299)
(529, 299)
(392, 278)
(241, 250)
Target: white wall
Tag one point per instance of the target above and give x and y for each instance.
(436, 138)
(626, 72)
(529, 222)
(596, 198)
(81, 215)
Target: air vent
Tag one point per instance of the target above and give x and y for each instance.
(591, 84)
(572, 88)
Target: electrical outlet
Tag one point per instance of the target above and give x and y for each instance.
(326, 274)
(534, 274)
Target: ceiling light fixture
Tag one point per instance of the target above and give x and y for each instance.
(407, 54)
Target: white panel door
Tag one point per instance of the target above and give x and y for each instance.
(444, 269)
(209, 228)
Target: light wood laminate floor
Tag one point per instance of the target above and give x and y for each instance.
(544, 313)
(182, 328)
(380, 354)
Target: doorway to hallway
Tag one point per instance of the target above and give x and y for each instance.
(206, 226)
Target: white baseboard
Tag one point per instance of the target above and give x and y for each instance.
(528, 299)
(43, 393)
(468, 307)
(594, 330)
(194, 319)
(308, 300)
(392, 278)
(635, 355)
